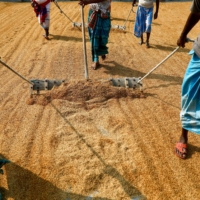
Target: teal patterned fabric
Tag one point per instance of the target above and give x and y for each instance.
(99, 36)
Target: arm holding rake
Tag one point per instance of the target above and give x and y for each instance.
(192, 20)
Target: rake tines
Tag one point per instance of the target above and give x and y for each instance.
(127, 82)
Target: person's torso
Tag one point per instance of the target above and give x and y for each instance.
(103, 6)
(41, 1)
(146, 3)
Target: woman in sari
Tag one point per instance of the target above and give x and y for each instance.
(98, 28)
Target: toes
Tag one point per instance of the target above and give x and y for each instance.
(147, 45)
(46, 37)
(184, 156)
(181, 154)
(95, 65)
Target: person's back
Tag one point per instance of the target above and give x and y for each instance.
(144, 17)
(146, 3)
(98, 28)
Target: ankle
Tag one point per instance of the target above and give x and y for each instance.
(47, 32)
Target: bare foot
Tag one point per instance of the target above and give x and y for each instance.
(95, 65)
(141, 42)
(147, 45)
(103, 57)
(46, 37)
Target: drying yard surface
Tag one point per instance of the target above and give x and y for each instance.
(88, 139)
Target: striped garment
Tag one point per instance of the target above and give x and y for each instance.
(190, 97)
(143, 21)
(99, 35)
(93, 19)
(43, 13)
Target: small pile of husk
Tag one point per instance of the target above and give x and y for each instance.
(84, 91)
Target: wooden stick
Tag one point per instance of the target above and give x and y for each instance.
(159, 64)
(84, 44)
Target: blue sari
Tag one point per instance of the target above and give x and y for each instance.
(143, 21)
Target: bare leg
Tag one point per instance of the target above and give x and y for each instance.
(46, 35)
(184, 136)
(147, 41)
(141, 41)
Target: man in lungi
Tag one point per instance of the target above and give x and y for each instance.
(42, 10)
(143, 19)
(99, 25)
(190, 95)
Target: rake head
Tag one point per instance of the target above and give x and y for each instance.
(78, 24)
(127, 82)
(118, 27)
(45, 84)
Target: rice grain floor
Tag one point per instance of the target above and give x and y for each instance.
(116, 147)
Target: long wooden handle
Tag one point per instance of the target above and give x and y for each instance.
(128, 15)
(159, 64)
(84, 44)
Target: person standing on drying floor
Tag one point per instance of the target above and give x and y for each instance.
(99, 25)
(42, 10)
(143, 20)
(190, 94)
